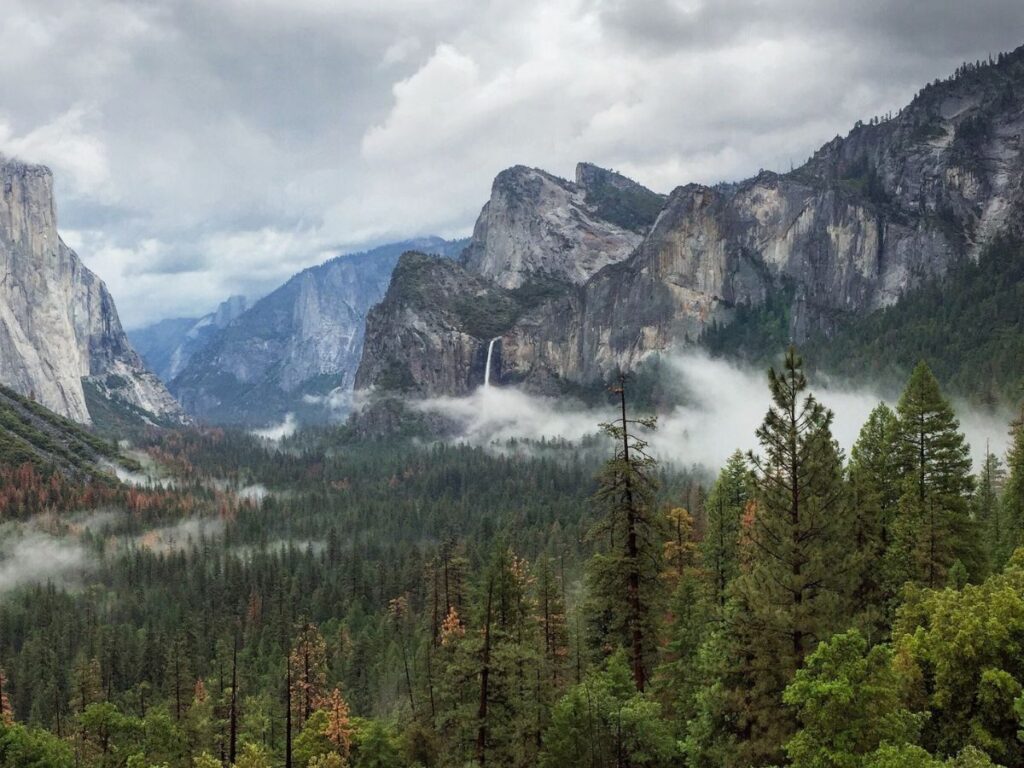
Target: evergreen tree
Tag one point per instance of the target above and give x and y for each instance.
(307, 664)
(794, 591)
(724, 510)
(987, 510)
(1013, 497)
(624, 575)
(933, 528)
(875, 487)
(847, 700)
(677, 678)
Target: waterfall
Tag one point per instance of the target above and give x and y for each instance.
(487, 369)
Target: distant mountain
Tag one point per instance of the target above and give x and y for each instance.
(168, 345)
(887, 211)
(297, 349)
(61, 342)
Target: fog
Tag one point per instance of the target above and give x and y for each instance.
(29, 556)
(277, 432)
(725, 403)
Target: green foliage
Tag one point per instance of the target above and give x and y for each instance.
(1012, 503)
(25, 747)
(875, 487)
(933, 527)
(847, 700)
(792, 593)
(958, 654)
(623, 574)
(604, 716)
(630, 206)
(724, 511)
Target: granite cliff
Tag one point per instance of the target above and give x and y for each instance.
(61, 342)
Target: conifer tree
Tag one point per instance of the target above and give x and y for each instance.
(1013, 496)
(933, 528)
(677, 677)
(551, 621)
(624, 575)
(875, 487)
(6, 712)
(796, 585)
(724, 510)
(307, 672)
(987, 509)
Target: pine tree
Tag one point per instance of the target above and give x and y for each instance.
(1013, 496)
(624, 576)
(724, 510)
(875, 487)
(795, 588)
(307, 672)
(6, 712)
(677, 678)
(551, 621)
(933, 528)
(987, 510)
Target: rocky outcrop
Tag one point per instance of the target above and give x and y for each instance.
(297, 349)
(430, 333)
(59, 330)
(867, 218)
(538, 225)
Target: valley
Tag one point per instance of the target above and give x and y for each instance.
(730, 476)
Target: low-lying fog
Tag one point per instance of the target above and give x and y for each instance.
(726, 402)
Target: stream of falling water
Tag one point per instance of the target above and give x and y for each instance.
(487, 370)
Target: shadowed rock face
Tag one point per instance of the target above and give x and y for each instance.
(867, 218)
(58, 324)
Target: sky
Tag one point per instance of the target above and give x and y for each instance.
(204, 148)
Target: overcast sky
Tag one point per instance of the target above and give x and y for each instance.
(209, 147)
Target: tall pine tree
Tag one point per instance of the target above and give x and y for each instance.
(1013, 496)
(624, 575)
(724, 510)
(875, 487)
(794, 591)
(933, 528)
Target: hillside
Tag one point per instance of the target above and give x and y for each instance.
(31, 433)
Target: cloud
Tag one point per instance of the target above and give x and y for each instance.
(29, 557)
(725, 403)
(278, 432)
(209, 147)
(68, 146)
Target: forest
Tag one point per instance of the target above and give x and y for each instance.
(323, 601)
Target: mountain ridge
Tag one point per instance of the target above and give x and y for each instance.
(870, 217)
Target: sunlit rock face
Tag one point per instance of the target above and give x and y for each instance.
(536, 224)
(867, 218)
(59, 330)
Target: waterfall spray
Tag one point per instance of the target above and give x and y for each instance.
(487, 370)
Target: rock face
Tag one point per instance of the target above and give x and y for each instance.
(168, 345)
(59, 330)
(537, 225)
(431, 331)
(867, 218)
(296, 347)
